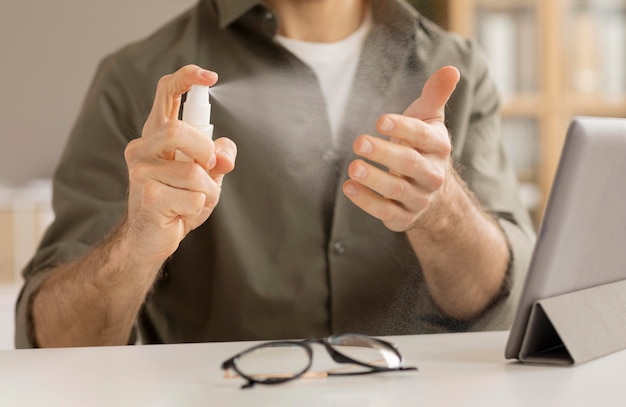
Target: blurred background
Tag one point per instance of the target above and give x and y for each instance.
(552, 60)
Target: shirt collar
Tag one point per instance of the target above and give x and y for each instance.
(397, 13)
(230, 10)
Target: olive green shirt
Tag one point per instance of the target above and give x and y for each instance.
(285, 254)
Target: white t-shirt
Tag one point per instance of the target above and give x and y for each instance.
(334, 64)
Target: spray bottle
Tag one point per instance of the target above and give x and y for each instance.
(197, 112)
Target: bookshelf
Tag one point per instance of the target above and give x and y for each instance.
(552, 60)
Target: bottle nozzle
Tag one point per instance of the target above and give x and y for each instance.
(198, 95)
(197, 112)
(197, 109)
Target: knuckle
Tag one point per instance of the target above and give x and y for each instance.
(197, 201)
(145, 130)
(196, 174)
(211, 196)
(130, 152)
(163, 81)
(420, 130)
(172, 129)
(399, 189)
(438, 137)
(412, 162)
(437, 179)
(188, 69)
(211, 201)
(446, 147)
(151, 195)
(423, 129)
(137, 170)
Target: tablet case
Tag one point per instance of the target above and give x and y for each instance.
(576, 327)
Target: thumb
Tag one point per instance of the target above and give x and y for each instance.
(436, 93)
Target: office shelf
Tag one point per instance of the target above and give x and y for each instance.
(552, 60)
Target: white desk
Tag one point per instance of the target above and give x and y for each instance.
(455, 370)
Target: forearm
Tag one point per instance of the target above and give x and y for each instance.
(94, 300)
(463, 252)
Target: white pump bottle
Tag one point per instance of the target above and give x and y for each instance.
(197, 112)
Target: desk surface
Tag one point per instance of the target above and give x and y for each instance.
(454, 370)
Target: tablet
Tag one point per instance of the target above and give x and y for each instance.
(581, 241)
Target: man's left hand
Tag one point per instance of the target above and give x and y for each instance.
(417, 156)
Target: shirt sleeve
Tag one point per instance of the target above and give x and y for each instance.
(90, 184)
(483, 163)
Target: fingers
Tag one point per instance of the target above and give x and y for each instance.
(174, 174)
(397, 201)
(393, 215)
(172, 203)
(171, 134)
(401, 189)
(417, 155)
(398, 196)
(422, 123)
(412, 193)
(427, 138)
(169, 198)
(170, 89)
(226, 154)
(402, 160)
(166, 200)
(177, 135)
(436, 93)
(143, 153)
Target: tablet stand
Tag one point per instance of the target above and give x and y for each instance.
(577, 327)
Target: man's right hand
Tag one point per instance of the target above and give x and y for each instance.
(94, 300)
(169, 198)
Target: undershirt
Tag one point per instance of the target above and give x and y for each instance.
(334, 64)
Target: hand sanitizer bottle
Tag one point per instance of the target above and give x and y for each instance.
(197, 112)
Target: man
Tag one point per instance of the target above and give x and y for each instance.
(398, 215)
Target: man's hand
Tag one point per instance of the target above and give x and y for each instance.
(417, 156)
(94, 300)
(464, 265)
(169, 198)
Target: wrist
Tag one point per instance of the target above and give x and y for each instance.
(443, 211)
(126, 258)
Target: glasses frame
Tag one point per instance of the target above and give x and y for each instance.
(336, 355)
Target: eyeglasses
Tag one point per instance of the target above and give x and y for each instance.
(278, 362)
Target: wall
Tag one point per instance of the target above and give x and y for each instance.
(49, 51)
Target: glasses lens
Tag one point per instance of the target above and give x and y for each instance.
(366, 350)
(280, 360)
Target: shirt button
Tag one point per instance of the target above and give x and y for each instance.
(339, 248)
